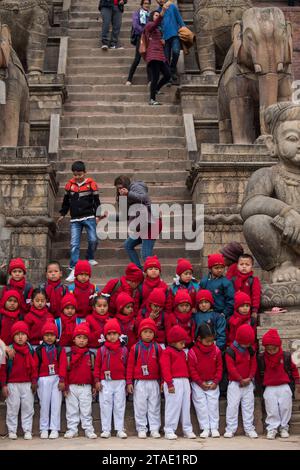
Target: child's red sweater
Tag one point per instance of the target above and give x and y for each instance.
(277, 375)
(23, 367)
(205, 364)
(21, 286)
(242, 367)
(36, 319)
(235, 321)
(149, 285)
(146, 355)
(96, 323)
(80, 367)
(184, 320)
(173, 365)
(127, 325)
(160, 322)
(7, 321)
(252, 288)
(111, 286)
(111, 357)
(68, 325)
(60, 364)
(55, 291)
(84, 293)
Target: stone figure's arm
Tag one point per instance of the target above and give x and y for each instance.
(258, 196)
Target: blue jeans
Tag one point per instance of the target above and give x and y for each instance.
(76, 230)
(172, 49)
(146, 249)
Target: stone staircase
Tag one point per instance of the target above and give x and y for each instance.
(112, 128)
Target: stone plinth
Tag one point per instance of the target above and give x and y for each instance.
(218, 181)
(28, 190)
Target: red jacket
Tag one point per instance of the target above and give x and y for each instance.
(68, 325)
(205, 364)
(184, 320)
(55, 291)
(80, 367)
(144, 357)
(160, 323)
(111, 357)
(128, 328)
(232, 271)
(25, 289)
(277, 375)
(84, 293)
(237, 320)
(113, 289)
(242, 367)
(36, 319)
(155, 49)
(23, 368)
(251, 287)
(173, 365)
(96, 323)
(149, 285)
(60, 364)
(6, 322)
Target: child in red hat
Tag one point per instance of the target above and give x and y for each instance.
(110, 375)
(241, 366)
(152, 270)
(155, 309)
(184, 280)
(83, 290)
(143, 368)
(246, 282)
(55, 289)
(51, 363)
(18, 379)
(177, 390)
(220, 287)
(10, 313)
(17, 281)
(37, 316)
(97, 320)
(206, 367)
(126, 317)
(206, 314)
(241, 316)
(182, 315)
(279, 374)
(130, 283)
(79, 385)
(67, 321)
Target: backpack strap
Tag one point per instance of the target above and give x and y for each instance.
(144, 310)
(116, 287)
(27, 289)
(92, 358)
(58, 323)
(137, 348)
(230, 352)
(39, 355)
(71, 288)
(80, 320)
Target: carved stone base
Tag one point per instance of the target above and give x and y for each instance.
(281, 294)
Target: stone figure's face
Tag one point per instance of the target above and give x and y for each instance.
(287, 137)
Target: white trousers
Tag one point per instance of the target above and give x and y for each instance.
(206, 403)
(112, 402)
(50, 403)
(79, 408)
(146, 401)
(178, 406)
(278, 403)
(237, 395)
(20, 395)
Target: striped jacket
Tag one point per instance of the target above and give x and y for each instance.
(81, 199)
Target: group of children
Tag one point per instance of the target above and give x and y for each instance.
(138, 336)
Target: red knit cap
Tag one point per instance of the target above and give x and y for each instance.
(271, 338)
(183, 265)
(204, 294)
(215, 259)
(50, 327)
(157, 297)
(245, 335)
(19, 327)
(122, 300)
(82, 329)
(68, 299)
(152, 262)
(10, 293)
(147, 323)
(16, 263)
(133, 273)
(240, 298)
(177, 334)
(83, 267)
(112, 325)
(182, 296)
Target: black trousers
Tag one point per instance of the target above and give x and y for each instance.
(135, 63)
(157, 67)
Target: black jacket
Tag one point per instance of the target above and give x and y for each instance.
(110, 4)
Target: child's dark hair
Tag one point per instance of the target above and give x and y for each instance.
(78, 166)
(122, 180)
(247, 256)
(53, 262)
(152, 14)
(100, 297)
(143, 1)
(205, 330)
(38, 290)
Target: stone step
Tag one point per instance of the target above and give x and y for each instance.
(93, 42)
(166, 191)
(129, 419)
(92, 52)
(121, 131)
(100, 70)
(94, 32)
(121, 108)
(125, 142)
(63, 167)
(104, 119)
(164, 153)
(125, 97)
(105, 176)
(138, 79)
(103, 59)
(95, 22)
(168, 92)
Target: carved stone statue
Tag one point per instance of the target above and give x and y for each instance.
(271, 205)
(28, 21)
(256, 73)
(213, 20)
(14, 96)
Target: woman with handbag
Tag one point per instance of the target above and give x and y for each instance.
(155, 55)
(139, 20)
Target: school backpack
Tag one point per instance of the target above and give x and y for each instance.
(143, 45)
(133, 37)
(137, 349)
(92, 359)
(58, 323)
(9, 362)
(287, 359)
